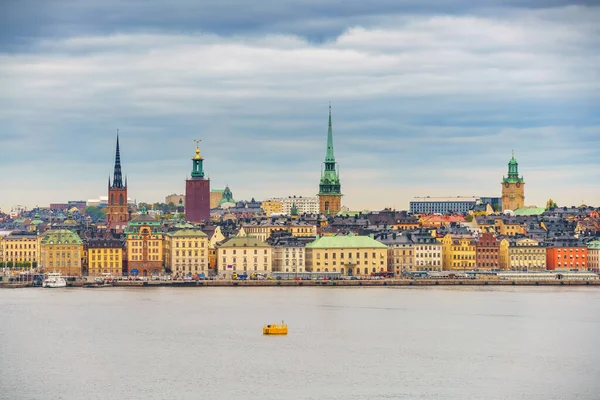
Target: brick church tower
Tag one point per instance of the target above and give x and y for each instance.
(330, 193)
(117, 212)
(197, 192)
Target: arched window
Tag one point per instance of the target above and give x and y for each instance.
(121, 199)
(326, 205)
(112, 199)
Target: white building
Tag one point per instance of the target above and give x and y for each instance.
(305, 205)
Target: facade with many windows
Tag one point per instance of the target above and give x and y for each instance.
(61, 251)
(144, 245)
(186, 252)
(243, 255)
(350, 255)
(20, 250)
(458, 252)
(428, 253)
(104, 256)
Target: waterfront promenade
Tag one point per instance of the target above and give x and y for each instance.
(326, 283)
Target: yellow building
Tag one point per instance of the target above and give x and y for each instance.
(20, 250)
(245, 255)
(186, 252)
(104, 256)
(263, 231)
(350, 255)
(508, 227)
(61, 251)
(144, 245)
(522, 254)
(458, 252)
(215, 198)
(272, 207)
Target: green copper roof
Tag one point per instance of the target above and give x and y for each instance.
(246, 241)
(346, 242)
(61, 236)
(594, 244)
(195, 233)
(529, 211)
(513, 172)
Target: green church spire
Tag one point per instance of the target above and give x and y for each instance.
(329, 157)
(330, 179)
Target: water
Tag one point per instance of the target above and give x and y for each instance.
(344, 343)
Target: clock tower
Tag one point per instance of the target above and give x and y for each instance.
(513, 187)
(330, 194)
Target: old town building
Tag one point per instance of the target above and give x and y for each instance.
(61, 251)
(330, 192)
(594, 255)
(513, 187)
(349, 255)
(243, 255)
(186, 252)
(20, 250)
(144, 245)
(104, 256)
(519, 254)
(458, 252)
(288, 252)
(427, 251)
(400, 252)
(487, 252)
(566, 253)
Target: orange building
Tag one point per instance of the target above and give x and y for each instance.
(567, 254)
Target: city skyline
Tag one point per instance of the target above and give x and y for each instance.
(422, 102)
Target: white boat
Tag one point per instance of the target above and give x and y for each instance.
(54, 280)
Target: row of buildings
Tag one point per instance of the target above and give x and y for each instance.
(386, 241)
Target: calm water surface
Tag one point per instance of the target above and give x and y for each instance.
(363, 343)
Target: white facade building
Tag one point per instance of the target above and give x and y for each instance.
(305, 205)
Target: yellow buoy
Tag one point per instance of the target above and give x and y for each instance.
(275, 329)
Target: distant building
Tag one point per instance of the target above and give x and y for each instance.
(513, 187)
(519, 254)
(594, 255)
(215, 197)
(197, 192)
(400, 253)
(442, 205)
(330, 193)
(566, 253)
(175, 199)
(304, 205)
(495, 202)
(271, 207)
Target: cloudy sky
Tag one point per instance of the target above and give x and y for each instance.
(427, 99)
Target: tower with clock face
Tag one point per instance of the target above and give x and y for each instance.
(513, 187)
(330, 190)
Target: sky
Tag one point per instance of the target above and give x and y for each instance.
(429, 98)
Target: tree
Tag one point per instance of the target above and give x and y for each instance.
(96, 213)
(469, 218)
(550, 205)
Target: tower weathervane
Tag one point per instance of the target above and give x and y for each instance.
(197, 142)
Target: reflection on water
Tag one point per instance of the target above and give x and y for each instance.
(344, 343)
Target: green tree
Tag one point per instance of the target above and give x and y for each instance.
(34, 264)
(550, 205)
(469, 218)
(95, 213)
(9, 264)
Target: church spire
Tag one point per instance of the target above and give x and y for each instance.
(197, 168)
(329, 157)
(118, 177)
